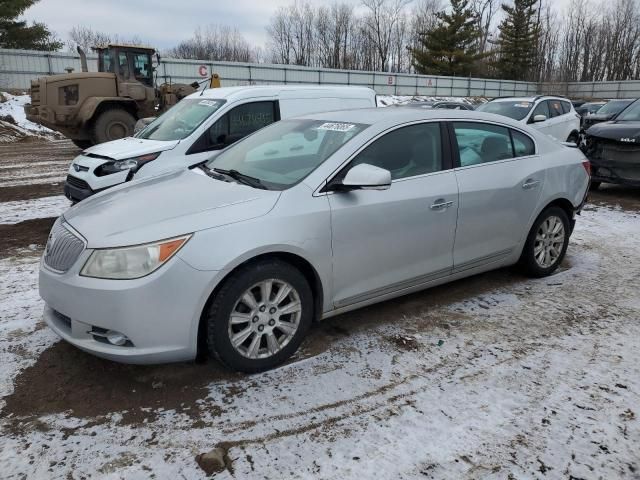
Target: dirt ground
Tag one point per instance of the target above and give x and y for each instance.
(495, 376)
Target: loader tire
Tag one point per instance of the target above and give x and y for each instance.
(112, 124)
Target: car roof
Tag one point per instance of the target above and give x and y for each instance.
(388, 117)
(250, 91)
(529, 99)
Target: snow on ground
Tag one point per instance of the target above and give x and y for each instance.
(44, 207)
(497, 376)
(20, 128)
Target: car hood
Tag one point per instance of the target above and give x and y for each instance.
(129, 147)
(619, 131)
(166, 206)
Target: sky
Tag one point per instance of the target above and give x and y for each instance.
(164, 23)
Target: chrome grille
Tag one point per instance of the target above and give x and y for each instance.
(63, 248)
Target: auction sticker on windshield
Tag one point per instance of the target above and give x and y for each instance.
(522, 105)
(336, 127)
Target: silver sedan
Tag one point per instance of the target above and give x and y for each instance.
(303, 220)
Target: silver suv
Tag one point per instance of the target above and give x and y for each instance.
(302, 220)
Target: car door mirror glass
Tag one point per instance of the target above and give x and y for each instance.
(539, 118)
(366, 177)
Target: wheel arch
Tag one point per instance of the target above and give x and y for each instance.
(94, 106)
(303, 265)
(561, 202)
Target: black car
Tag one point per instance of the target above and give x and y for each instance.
(613, 148)
(588, 108)
(606, 112)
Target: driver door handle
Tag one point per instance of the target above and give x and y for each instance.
(441, 204)
(530, 183)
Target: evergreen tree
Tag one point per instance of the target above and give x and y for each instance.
(518, 40)
(451, 48)
(17, 34)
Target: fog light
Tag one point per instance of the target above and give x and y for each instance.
(116, 338)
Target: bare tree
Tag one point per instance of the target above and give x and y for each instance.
(215, 42)
(380, 22)
(87, 38)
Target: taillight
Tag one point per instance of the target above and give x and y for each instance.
(587, 166)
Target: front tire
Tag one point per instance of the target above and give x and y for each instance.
(546, 243)
(259, 317)
(113, 124)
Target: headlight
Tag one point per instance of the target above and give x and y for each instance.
(131, 262)
(133, 163)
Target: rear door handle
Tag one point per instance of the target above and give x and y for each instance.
(529, 184)
(441, 204)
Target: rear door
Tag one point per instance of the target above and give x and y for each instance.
(500, 182)
(386, 241)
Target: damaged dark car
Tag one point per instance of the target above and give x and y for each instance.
(607, 112)
(613, 148)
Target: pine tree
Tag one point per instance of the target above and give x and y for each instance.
(451, 48)
(518, 40)
(17, 34)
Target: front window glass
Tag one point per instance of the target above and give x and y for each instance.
(482, 143)
(181, 120)
(631, 114)
(123, 65)
(405, 152)
(516, 109)
(285, 152)
(142, 67)
(541, 109)
(614, 106)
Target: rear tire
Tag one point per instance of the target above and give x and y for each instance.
(546, 243)
(82, 143)
(259, 317)
(113, 124)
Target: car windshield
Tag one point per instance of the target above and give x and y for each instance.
(631, 114)
(284, 153)
(181, 120)
(516, 109)
(613, 107)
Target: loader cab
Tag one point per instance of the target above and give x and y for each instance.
(129, 63)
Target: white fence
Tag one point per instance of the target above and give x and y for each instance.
(18, 67)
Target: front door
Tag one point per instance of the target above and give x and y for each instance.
(385, 241)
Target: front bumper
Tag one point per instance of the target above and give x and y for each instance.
(159, 313)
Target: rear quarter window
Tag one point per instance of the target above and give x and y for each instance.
(523, 145)
(566, 107)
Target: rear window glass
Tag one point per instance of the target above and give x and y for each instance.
(555, 107)
(482, 143)
(522, 144)
(566, 107)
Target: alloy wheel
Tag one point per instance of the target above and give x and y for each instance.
(549, 241)
(264, 319)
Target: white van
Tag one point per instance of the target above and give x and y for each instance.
(201, 124)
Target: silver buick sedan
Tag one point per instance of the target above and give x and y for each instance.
(303, 220)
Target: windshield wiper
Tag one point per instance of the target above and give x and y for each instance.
(210, 173)
(242, 178)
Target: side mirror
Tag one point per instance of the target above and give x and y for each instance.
(539, 118)
(365, 177)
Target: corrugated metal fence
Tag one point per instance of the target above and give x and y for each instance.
(18, 67)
